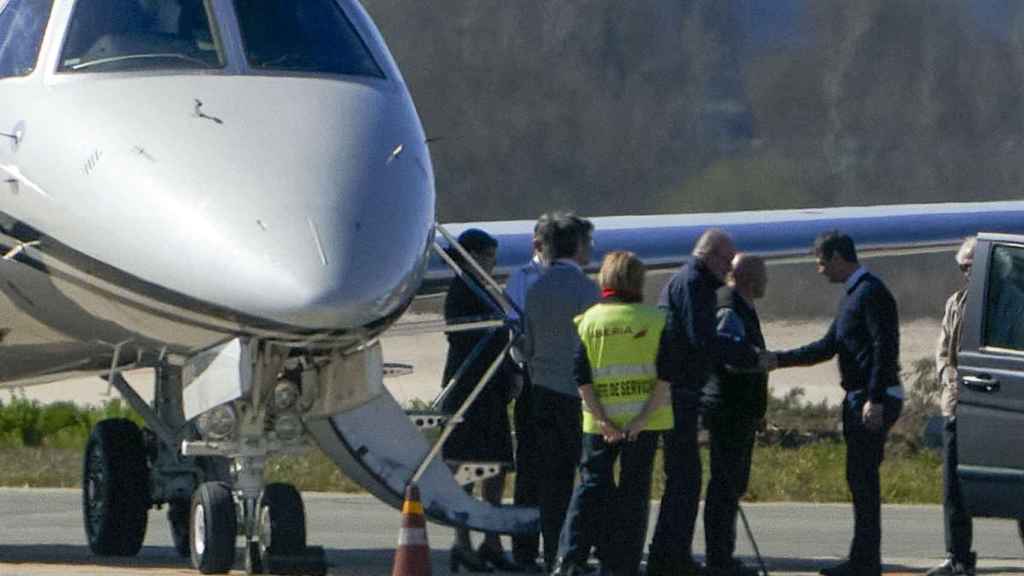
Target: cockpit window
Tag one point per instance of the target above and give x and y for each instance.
(22, 25)
(121, 35)
(310, 36)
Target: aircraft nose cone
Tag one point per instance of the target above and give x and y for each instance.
(345, 219)
(309, 206)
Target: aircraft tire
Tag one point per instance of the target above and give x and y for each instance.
(214, 527)
(178, 522)
(115, 488)
(282, 525)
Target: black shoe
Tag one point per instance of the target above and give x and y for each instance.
(662, 567)
(955, 567)
(529, 565)
(732, 568)
(496, 558)
(567, 568)
(463, 557)
(690, 567)
(848, 568)
(944, 569)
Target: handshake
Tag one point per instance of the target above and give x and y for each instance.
(767, 361)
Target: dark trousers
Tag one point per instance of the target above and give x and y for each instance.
(865, 451)
(613, 518)
(527, 484)
(959, 528)
(672, 543)
(732, 444)
(557, 420)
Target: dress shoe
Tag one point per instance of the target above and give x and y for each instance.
(848, 568)
(497, 559)
(567, 568)
(691, 567)
(464, 557)
(955, 567)
(529, 565)
(732, 568)
(661, 567)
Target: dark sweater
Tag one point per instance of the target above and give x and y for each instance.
(866, 336)
(691, 346)
(738, 394)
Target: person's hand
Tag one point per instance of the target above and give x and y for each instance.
(767, 360)
(610, 432)
(634, 428)
(515, 386)
(873, 415)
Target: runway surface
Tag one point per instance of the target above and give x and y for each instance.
(41, 533)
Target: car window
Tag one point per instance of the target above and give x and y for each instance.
(1004, 304)
(121, 35)
(311, 36)
(22, 25)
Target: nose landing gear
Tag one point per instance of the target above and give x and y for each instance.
(273, 525)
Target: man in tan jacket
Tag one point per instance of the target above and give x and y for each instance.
(958, 526)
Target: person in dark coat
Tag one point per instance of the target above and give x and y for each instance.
(734, 407)
(691, 348)
(529, 472)
(865, 335)
(485, 433)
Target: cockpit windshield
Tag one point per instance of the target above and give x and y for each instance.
(121, 35)
(309, 36)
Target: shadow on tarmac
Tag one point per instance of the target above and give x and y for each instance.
(363, 562)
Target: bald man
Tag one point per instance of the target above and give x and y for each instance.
(734, 405)
(691, 348)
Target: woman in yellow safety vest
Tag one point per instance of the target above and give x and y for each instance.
(625, 408)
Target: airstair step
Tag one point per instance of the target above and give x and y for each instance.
(426, 419)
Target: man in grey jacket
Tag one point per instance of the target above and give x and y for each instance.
(562, 292)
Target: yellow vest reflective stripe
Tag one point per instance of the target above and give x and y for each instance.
(625, 371)
(621, 341)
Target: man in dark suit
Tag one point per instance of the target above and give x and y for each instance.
(734, 406)
(865, 336)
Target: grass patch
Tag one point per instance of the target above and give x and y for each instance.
(811, 473)
(41, 446)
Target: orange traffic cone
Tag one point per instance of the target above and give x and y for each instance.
(413, 555)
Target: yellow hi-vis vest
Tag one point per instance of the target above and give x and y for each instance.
(621, 341)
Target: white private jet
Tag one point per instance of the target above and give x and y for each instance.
(239, 195)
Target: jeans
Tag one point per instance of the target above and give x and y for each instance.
(672, 543)
(865, 451)
(525, 547)
(609, 516)
(959, 527)
(557, 420)
(732, 444)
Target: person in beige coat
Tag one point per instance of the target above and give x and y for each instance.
(958, 525)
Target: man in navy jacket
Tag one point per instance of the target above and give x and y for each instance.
(690, 349)
(865, 336)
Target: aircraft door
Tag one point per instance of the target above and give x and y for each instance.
(990, 414)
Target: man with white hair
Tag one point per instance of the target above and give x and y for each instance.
(690, 349)
(958, 525)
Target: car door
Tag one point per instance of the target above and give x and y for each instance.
(990, 415)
